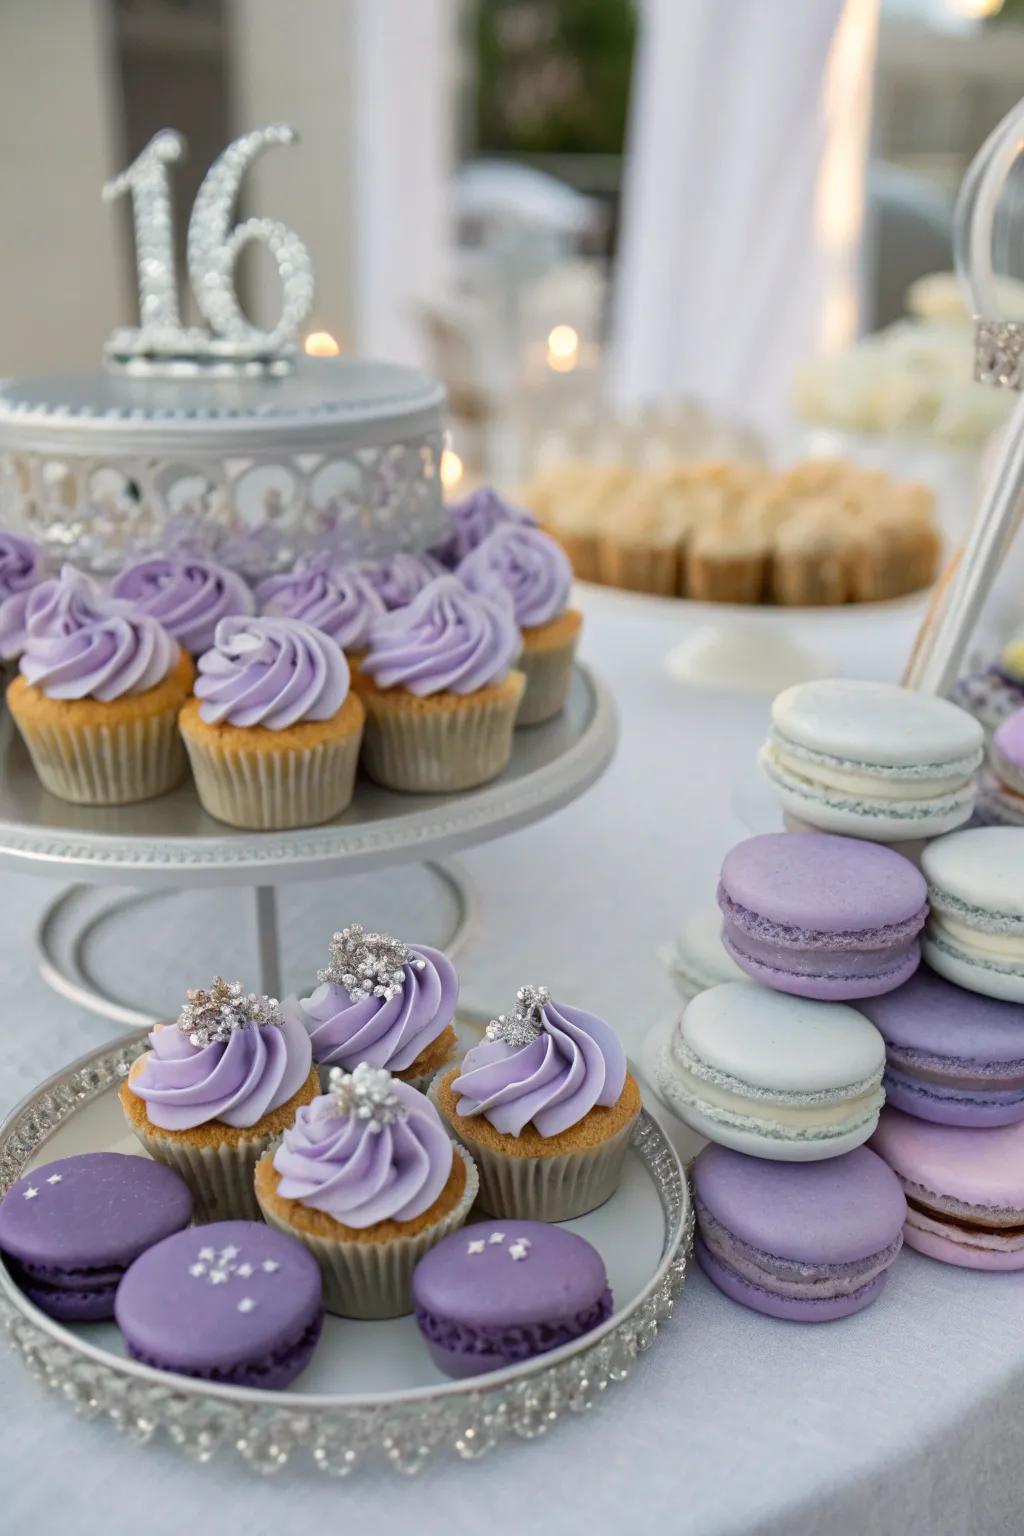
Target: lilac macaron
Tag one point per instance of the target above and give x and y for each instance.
(953, 1057)
(807, 1242)
(234, 1302)
(821, 916)
(71, 1228)
(503, 1291)
(964, 1189)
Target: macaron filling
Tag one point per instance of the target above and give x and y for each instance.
(987, 1228)
(780, 1276)
(991, 941)
(759, 944)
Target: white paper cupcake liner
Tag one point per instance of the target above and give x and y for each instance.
(101, 764)
(548, 675)
(374, 1280)
(220, 1178)
(438, 751)
(272, 791)
(545, 1188)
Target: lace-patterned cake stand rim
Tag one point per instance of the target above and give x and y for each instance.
(400, 1428)
(171, 842)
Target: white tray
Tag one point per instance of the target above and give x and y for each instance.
(371, 1391)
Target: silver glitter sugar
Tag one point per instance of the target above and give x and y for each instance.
(366, 1094)
(213, 1014)
(525, 1022)
(368, 964)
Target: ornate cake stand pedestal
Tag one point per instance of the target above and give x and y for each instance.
(167, 847)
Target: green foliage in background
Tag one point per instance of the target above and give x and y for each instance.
(554, 75)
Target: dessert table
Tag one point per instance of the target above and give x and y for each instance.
(905, 1418)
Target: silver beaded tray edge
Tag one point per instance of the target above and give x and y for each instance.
(337, 1432)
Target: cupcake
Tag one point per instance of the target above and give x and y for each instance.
(547, 1108)
(189, 595)
(215, 1090)
(440, 691)
(273, 731)
(398, 578)
(537, 575)
(368, 1179)
(98, 697)
(474, 519)
(384, 1003)
(334, 599)
(21, 570)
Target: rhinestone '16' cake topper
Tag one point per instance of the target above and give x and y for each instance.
(213, 1014)
(525, 1022)
(368, 964)
(232, 344)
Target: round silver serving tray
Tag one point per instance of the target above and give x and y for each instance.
(371, 1393)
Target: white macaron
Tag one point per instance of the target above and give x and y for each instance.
(872, 760)
(975, 933)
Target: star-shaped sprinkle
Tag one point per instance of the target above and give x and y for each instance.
(218, 1276)
(245, 1270)
(226, 1255)
(270, 1266)
(475, 1245)
(55, 1178)
(31, 1192)
(496, 1237)
(246, 1304)
(207, 1254)
(518, 1250)
(197, 1269)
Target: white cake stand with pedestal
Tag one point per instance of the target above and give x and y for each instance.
(162, 849)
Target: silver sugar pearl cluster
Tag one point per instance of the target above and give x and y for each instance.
(525, 1022)
(368, 964)
(367, 1094)
(213, 1014)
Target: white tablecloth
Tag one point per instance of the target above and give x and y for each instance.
(907, 1418)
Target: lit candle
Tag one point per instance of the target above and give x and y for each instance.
(563, 348)
(321, 344)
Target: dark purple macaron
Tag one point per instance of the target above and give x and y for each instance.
(233, 1301)
(953, 1057)
(821, 916)
(503, 1291)
(808, 1242)
(71, 1228)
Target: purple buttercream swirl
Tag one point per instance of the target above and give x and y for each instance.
(80, 644)
(337, 1163)
(528, 565)
(237, 1081)
(188, 594)
(476, 517)
(20, 570)
(335, 599)
(574, 1064)
(448, 640)
(385, 1032)
(398, 578)
(272, 673)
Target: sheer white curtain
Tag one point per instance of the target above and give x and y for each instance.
(744, 197)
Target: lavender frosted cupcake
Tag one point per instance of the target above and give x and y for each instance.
(384, 1003)
(397, 578)
(537, 575)
(273, 732)
(369, 1180)
(440, 690)
(21, 570)
(474, 519)
(215, 1090)
(187, 594)
(98, 697)
(547, 1108)
(334, 599)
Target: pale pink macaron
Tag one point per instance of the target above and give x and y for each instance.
(964, 1189)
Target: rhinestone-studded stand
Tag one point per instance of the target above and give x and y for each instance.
(999, 353)
(342, 1435)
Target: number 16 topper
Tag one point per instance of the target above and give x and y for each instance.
(999, 361)
(232, 345)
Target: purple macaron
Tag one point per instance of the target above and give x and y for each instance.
(807, 1242)
(821, 916)
(953, 1057)
(71, 1228)
(503, 1291)
(234, 1302)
